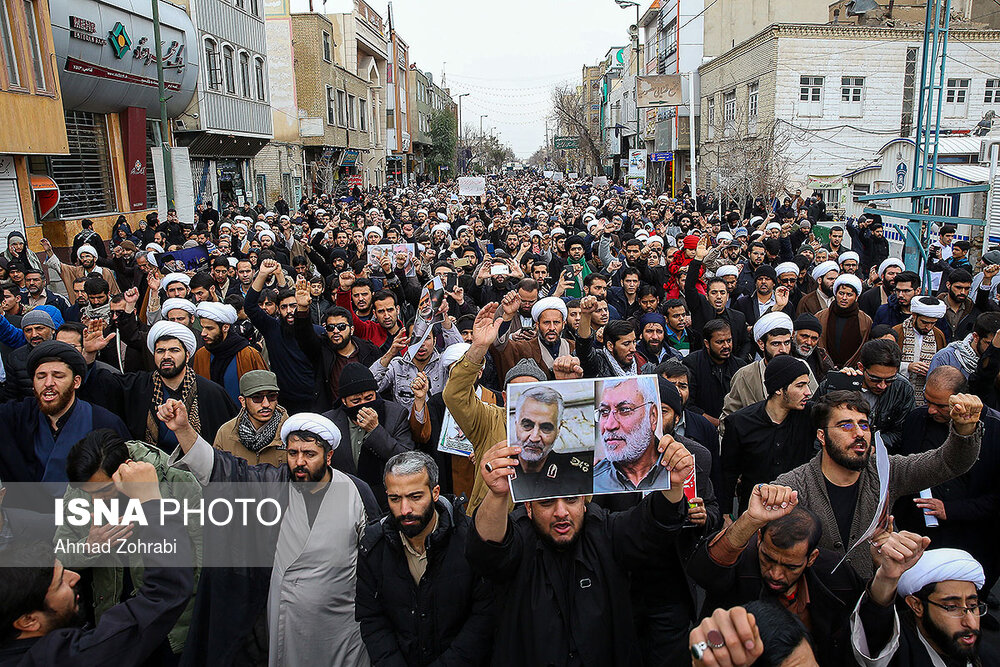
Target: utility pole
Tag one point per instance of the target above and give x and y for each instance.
(460, 117)
(168, 166)
(691, 129)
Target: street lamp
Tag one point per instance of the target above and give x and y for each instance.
(481, 124)
(460, 116)
(625, 4)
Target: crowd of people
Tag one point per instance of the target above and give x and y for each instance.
(792, 359)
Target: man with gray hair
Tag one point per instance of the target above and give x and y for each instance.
(627, 417)
(538, 418)
(418, 600)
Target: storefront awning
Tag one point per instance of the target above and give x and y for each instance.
(46, 193)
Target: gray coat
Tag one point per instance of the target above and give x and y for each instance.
(907, 475)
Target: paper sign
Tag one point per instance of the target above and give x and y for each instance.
(881, 519)
(690, 487)
(190, 259)
(547, 173)
(572, 175)
(558, 176)
(427, 316)
(583, 452)
(600, 181)
(390, 250)
(453, 439)
(471, 186)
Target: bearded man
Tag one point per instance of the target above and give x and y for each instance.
(920, 339)
(226, 356)
(820, 299)
(805, 346)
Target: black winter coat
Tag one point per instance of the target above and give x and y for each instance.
(445, 620)
(320, 350)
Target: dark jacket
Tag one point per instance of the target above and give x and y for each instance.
(570, 607)
(870, 301)
(131, 631)
(983, 380)
(618, 301)
(390, 437)
(702, 311)
(832, 595)
(52, 299)
(889, 412)
(749, 305)
(710, 381)
(294, 370)
(755, 450)
(320, 350)
(889, 313)
(595, 363)
(446, 619)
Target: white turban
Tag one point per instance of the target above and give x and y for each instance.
(787, 267)
(890, 262)
(548, 303)
(773, 225)
(557, 230)
(267, 232)
(771, 321)
(727, 270)
(453, 353)
(175, 304)
(222, 313)
(850, 254)
(928, 306)
(642, 234)
(825, 268)
(165, 328)
(320, 211)
(937, 565)
(442, 227)
(261, 225)
(376, 230)
(442, 216)
(724, 236)
(848, 279)
(154, 247)
(461, 228)
(175, 278)
(656, 238)
(269, 214)
(284, 217)
(86, 248)
(311, 422)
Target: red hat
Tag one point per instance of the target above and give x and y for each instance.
(691, 242)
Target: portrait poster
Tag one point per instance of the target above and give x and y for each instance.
(453, 439)
(586, 437)
(189, 259)
(391, 250)
(427, 316)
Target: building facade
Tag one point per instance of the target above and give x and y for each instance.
(398, 146)
(106, 64)
(34, 123)
(801, 105)
(427, 99)
(229, 121)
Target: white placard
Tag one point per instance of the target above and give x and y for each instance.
(183, 185)
(471, 186)
(600, 181)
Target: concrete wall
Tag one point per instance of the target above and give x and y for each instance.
(729, 22)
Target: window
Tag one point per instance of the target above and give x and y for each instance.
(363, 115)
(9, 54)
(851, 94)
(992, 95)
(327, 50)
(909, 81)
(84, 176)
(711, 118)
(729, 110)
(35, 45)
(341, 108)
(255, 7)
(956, 98)
(152, 141)
(753, 100)
(240, 4)
(351, 120)
(810, 96)
(213, 69)
(860, 190)
(831, 197)
(245, 74)
(229, 65)
(330, 109)
(259, 73)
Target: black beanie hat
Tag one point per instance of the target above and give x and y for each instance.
(356, 379)
(782, 371)
(767, 271)
(670, 396)
(808, 322)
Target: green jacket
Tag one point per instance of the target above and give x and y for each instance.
(109, 582)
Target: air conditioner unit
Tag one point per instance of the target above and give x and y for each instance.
(179, 125)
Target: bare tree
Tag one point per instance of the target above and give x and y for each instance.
(570, 112)
(747, 159)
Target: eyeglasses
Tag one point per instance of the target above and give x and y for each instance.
(958, 611)
(342, 326)
(848, 427)
(876, 380)
(271, 396)
(620, 412)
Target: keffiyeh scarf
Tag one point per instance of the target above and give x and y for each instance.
(189, 396)
(257, 439)
(617, 368)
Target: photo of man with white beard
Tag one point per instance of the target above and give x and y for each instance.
(628, 424)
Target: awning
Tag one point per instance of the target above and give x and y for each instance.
(46, 193)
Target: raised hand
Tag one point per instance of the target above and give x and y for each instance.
(497, 466)
(567, 368)
(486, 326)
(771, 501)
(895, 553)
(137, 479)
(511, 304)
(739, 634)
(346, 279)
(302, 297)
(678, 460)
(269, 267)
(173, 414)
(420, 385)
(965, 411)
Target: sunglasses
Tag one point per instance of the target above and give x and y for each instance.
(342, 326)
(271, 396)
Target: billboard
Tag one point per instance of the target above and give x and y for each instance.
(662, 90)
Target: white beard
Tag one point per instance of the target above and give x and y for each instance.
(636, 443)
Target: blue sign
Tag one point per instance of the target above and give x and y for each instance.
(662, 157)
(901, 177)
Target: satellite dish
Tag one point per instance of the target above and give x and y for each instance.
(859, 7)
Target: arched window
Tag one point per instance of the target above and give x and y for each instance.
(229, 68)
(245, 74)
(213, 68)
(259, 78)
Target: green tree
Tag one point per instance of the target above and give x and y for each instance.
(444, 139)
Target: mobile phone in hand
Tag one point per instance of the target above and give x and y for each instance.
(841, 380)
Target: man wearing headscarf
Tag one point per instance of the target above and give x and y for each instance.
(923, 607)
(137, 395)
(845, 327)
(548, 345)
(310, 600)
(87, 256)
(820, 299)
(225, 356)
(920, 340)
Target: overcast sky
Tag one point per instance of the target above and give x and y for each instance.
(506, 54)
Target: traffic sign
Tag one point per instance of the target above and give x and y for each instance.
(662, 157)
(566, 143)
